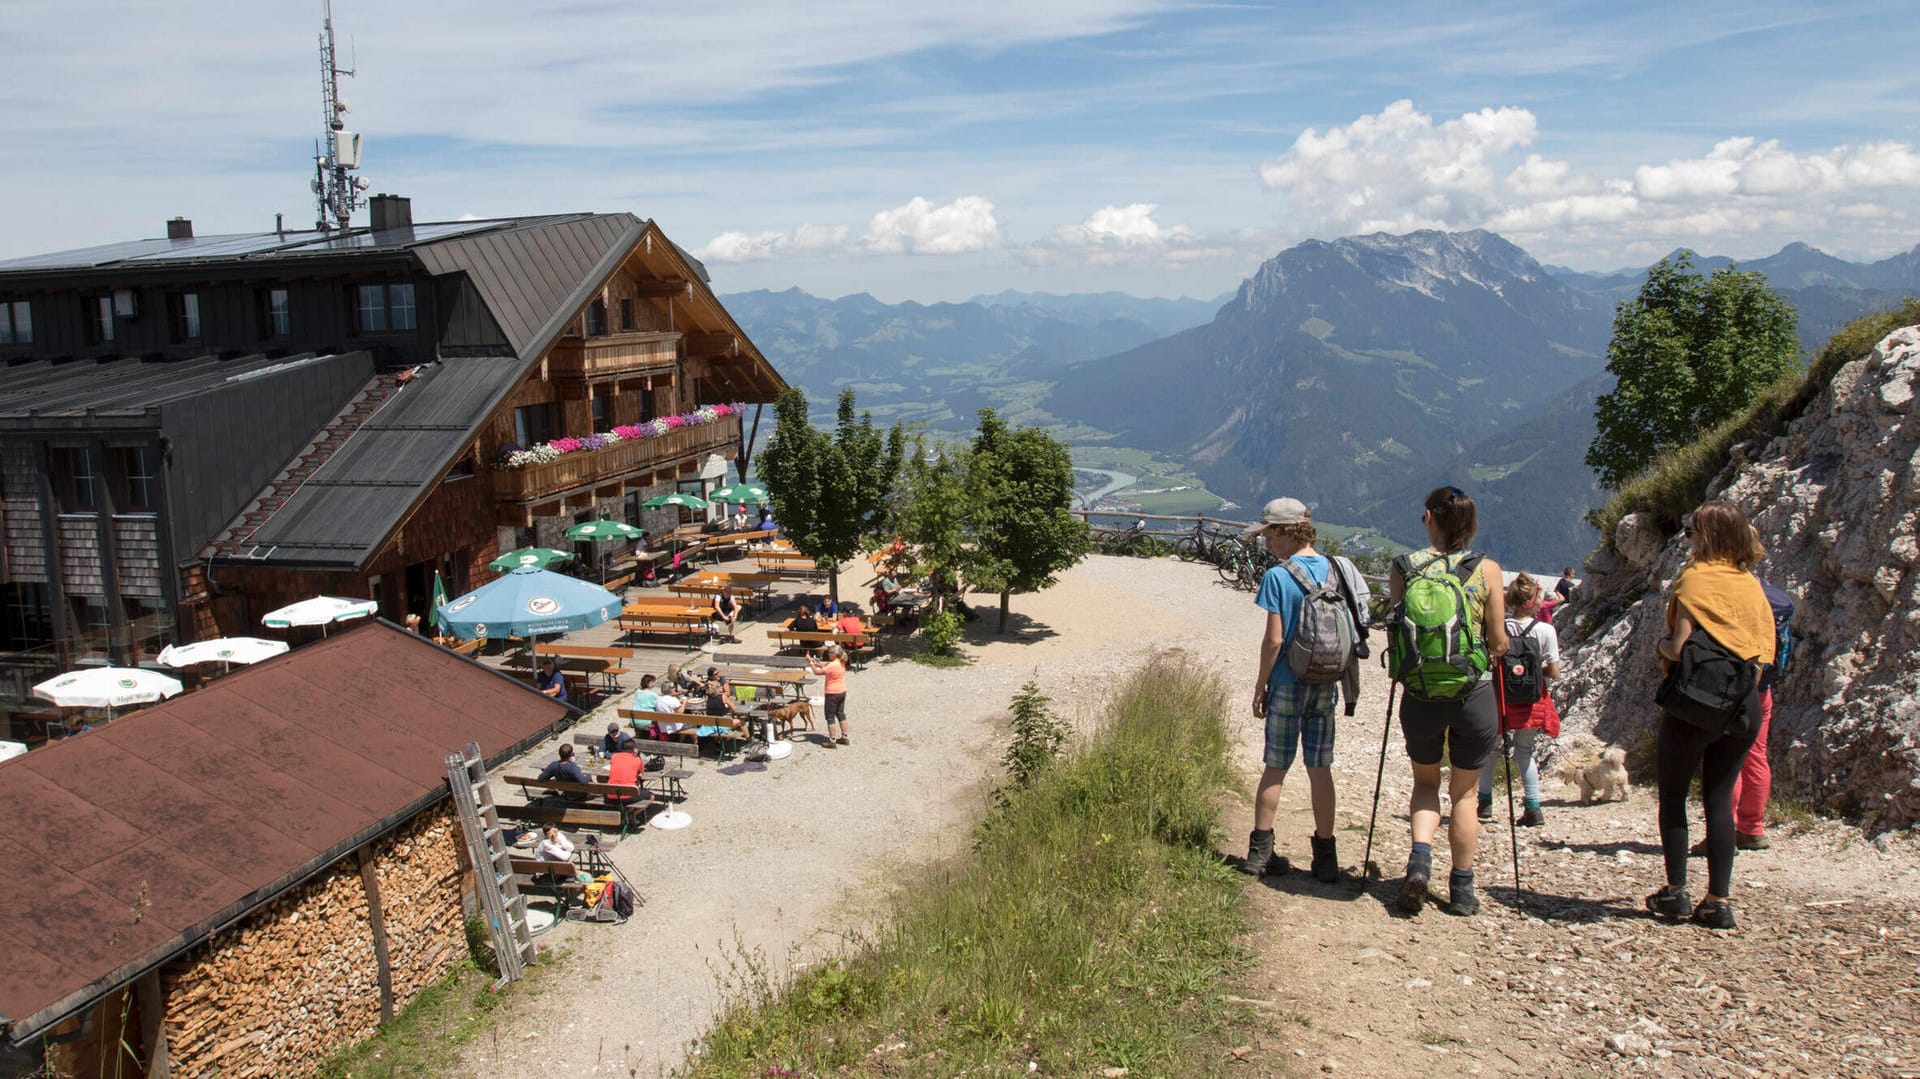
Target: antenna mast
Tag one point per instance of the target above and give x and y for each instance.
(336, 191)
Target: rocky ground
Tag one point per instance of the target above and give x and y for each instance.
(1565, 977)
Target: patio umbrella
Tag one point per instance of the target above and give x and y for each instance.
(599, 531)
(527, 603)
(677, 498)
(739, 492)
(106, 687)
(221, 650)
(537, 557)
(320, 611)
(439, 601)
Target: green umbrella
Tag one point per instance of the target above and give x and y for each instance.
(439, 601)
(537, 557)
(739, 492)
(603, 530)
(692, 502)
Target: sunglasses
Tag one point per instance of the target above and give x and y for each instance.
(1687, 530)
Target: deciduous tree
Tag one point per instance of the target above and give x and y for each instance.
(1687, 354)
(830, 493)
(1020, 492)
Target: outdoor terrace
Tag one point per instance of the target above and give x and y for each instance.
(636, 463)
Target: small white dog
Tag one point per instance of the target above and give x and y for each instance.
(1599, 772)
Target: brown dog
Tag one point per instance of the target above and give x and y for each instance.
(787, 717)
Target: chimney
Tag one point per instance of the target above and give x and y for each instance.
(179, 229)
(390, 212)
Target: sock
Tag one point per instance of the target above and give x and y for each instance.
(1532, 803)
(1423, 850)
(1459, 877)
(1260, 833)
(1486, 799)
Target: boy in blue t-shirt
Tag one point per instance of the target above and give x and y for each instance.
(1299, 718)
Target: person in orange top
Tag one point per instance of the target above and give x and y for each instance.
(624, 768)
(834, 671)
(1716, 592)
(850, 622)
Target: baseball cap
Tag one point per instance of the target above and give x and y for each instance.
(1281, 511)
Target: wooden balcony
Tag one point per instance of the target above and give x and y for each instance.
(614, 356)
(579, 476)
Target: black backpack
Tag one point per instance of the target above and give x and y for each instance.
(1710, 687)
(1522, 675)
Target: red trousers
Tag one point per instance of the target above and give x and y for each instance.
(1755, 782)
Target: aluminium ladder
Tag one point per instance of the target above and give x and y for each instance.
(500, 899)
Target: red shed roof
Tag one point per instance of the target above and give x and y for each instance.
(132, 842)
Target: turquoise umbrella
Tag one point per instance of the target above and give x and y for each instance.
(692, 502)
(528, 602)
(739, 492)
(537, 557)
(598, 531)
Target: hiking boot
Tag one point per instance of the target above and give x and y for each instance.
(1461, 900)
(1714, 914)
(1413, 891)
(1486, 809)
(1532, 817)
(1326, 860)
(843, 740)
(1699, 850)
(1743, 841)
(1671, 902)
(1260, 859)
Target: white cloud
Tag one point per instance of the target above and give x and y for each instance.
(1128, 235)
(1746, 166)
(758, 246)
(921, 228)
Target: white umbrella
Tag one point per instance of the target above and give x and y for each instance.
(221, 650)
(106, 687)
(319, 611)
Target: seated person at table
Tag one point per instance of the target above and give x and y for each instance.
(739, 522)
(624, 768)
(829, 610)
(550, 681)
(766, 520)
(726, 611)
(803, 622)
(610, 741)
(719, 693)
(681, 683)
(555, 846)
(883, 592)
(649, 699)
(565, 770)
(850, 622)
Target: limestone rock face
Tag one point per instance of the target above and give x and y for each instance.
(1836, 499)
(1638, 538)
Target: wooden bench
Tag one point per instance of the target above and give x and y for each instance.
(560, 879)
(746, 659)
(666, 625)
(671, 780)
(800, 638)
(731, 736)
(633, 801)
(467, 648)
(614, 820)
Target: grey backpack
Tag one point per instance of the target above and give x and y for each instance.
(1323, 638)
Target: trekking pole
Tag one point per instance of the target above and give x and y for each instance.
(1369, 870)
(1506, 739)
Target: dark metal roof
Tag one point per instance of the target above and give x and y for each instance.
(122, 388)
(343, 513)
(536, 275)
(130, 844)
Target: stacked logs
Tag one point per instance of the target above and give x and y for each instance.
(298, 981)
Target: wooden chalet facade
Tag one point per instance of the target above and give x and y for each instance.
(196, 430)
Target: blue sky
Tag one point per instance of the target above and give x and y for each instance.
(934, 152)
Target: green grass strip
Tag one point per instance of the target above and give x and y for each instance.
(1090, 927)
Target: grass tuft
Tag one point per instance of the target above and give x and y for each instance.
(1091, 926)
(1676, 481)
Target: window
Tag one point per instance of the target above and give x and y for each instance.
(89, 624)
(72, 473)
(597, 318)
(26, 619)
(149, 624)
(16, 323)
(626, 316)
(139, 484)
(599, 405)
(99, 310)
(276, 314)
(384, 308)
(183, 316)
(534, 424)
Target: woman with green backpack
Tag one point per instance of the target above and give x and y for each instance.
(1447, 628)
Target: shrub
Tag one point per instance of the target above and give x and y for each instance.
(942, 632)
(1038, 735)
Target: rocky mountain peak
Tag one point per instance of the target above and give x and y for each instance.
(1429, 262)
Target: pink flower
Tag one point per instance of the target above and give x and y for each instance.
(676, 421)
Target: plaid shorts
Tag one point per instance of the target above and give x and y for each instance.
(1301, 716)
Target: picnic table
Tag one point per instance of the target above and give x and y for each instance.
(776, 679)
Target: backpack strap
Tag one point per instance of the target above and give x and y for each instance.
(1464, 569)
(1300, 577)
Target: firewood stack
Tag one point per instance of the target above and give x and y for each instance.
(298, 981)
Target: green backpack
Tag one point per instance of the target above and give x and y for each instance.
(1433, 646)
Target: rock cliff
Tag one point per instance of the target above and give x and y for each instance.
(1835, 497)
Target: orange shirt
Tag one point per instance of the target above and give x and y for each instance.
(835, 672)
(850, 623)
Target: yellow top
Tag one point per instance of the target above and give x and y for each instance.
(1728, 603)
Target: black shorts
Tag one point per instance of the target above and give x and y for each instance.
(836, 708)
(1465, 730)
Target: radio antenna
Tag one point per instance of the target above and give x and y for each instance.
(336, 191)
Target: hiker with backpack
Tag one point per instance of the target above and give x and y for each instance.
(1447, 628)
(1754, 784)
(1720, 633)
(1306, 652)
(1527, 711)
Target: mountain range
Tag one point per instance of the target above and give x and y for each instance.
(1355, 374)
